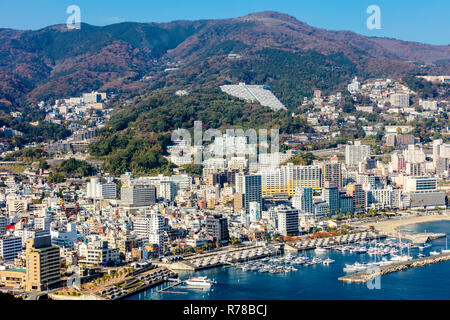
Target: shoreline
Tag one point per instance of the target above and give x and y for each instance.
(391, 226)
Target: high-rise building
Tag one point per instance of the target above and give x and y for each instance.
(166, 190)
(238, 202)
(330, 194)
(288, 223)
(321, 209)
(420, 183)
(42, 223)
(414, 169)
(398, 162)
(440, 151)
(217, 227)
(414, 154)
(359, 197)
(3, 223)
(156, 230)
(332, 171)
(138, 195)
(345, 204)
(255, 211)
(356, 153)
(303, 200)
(98, 190)
(10, 247)
(43, 265)
(442, 164)
(288, 178)
(250, 186)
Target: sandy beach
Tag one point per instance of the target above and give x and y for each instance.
(391, 225)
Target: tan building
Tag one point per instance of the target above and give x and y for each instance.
(238, 202)
(43, 264)
(13, 278)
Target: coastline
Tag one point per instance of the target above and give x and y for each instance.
(391, 226)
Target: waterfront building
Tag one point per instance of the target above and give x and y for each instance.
(217, 228)
(321, 209)
(359, 197)
(98, 253)
(345, 204)
(420, 183)
(330, 194)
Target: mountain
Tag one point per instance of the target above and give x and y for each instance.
(54, 62)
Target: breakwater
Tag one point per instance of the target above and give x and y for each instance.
(367, 275)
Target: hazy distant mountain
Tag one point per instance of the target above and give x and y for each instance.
(54, 62)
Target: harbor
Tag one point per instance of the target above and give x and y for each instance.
(228, 256)
(370, 273)
(317, 272)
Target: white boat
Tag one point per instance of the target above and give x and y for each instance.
(320, 250)
(434, 253)
(424, 246)
(199, 282)
(396, 258)
(327, 261)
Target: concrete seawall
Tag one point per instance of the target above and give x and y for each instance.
(367, 275)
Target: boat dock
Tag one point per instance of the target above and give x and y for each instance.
(422, 237)
(309, 244)
(367, 275)
(222, 257)
(169, 287)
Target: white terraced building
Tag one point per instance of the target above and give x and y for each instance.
(259, 93)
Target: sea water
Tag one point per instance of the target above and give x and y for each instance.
(321, 281)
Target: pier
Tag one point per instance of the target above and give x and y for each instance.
(310, 244)
(222, 257)
(422, 237)
(367, 275)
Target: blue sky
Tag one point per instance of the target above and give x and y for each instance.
(414, 20)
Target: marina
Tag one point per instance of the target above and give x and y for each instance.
(315, 277)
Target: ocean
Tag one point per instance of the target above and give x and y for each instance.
(319, 282)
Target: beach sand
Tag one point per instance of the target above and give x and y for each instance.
(391, 226)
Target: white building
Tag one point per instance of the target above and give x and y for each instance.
(399, 100)
(354, 86)
(414, 154)
(356, 153)
(95, 189)
(420, 183)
